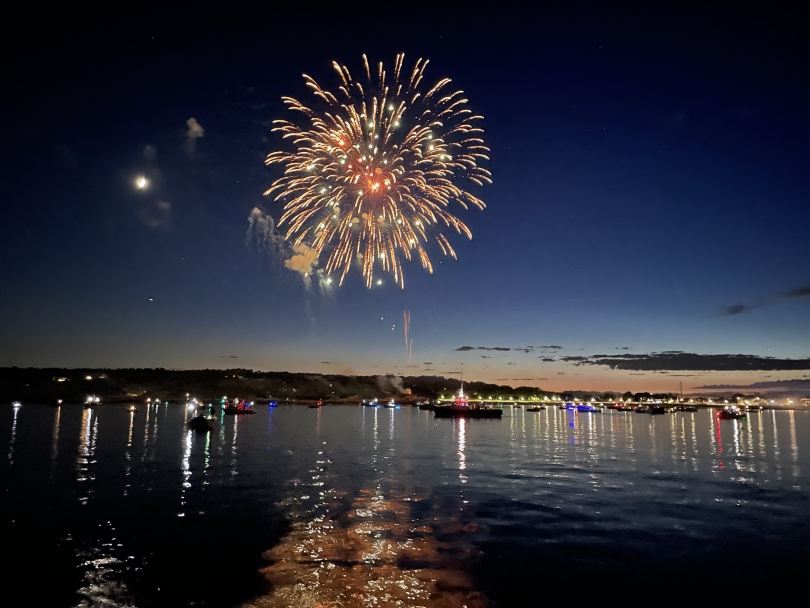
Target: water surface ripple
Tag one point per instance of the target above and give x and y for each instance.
(354, 506)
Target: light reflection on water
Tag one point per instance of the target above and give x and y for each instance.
(355, 505)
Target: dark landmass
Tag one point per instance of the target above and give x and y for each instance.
(47, 385)
(124, 385)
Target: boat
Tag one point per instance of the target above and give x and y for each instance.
(731, 412)
(587, 407)
(16, 404)
(92, 401)
(391, 404)
(753, 408)
(624, 408)
(240, 407)
(202, 424)
(466, 411)
(641, 409)
(131, 408)
(656, 409)
(536, 408)
(461, 408)
(426, 406)
(687, 408)
(316, 405)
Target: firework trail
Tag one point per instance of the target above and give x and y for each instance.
(406, 315)
(372, 173)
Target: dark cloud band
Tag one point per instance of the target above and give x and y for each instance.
(464, 349)
(680, 361)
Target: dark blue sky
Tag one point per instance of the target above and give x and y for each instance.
(650, 171)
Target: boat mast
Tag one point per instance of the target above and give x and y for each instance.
(461, 392)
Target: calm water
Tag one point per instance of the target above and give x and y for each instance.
(351, 506)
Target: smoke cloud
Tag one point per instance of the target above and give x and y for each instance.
(303, 261)
(299, 258)
(390, 384)
(195, 130)
(263, 232)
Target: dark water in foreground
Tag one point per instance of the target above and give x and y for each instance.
(354, 506)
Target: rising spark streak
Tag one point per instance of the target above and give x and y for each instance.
(406, 315)
(373, 172)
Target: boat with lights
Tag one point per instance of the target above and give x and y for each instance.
(238, 406)
(461, 408)
(731, 412)
(202, 423)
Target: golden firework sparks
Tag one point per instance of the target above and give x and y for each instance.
(373, 173)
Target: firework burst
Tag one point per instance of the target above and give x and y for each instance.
(373, 172)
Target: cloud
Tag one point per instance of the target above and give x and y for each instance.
(262, 231)
(464, 349)
(228, 357)
(792, 384)
(681, 361)
(801, 292)
(326, 362)
(547, 359)
(738, 309)
(149, 153)
(551, 347)
(299, 258)
(194, 131)
(486, 357)
(793, 294)
(427, 363)
(156, 215)
(527, 349)
(303, 261)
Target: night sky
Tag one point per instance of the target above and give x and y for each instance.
(650, 195)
